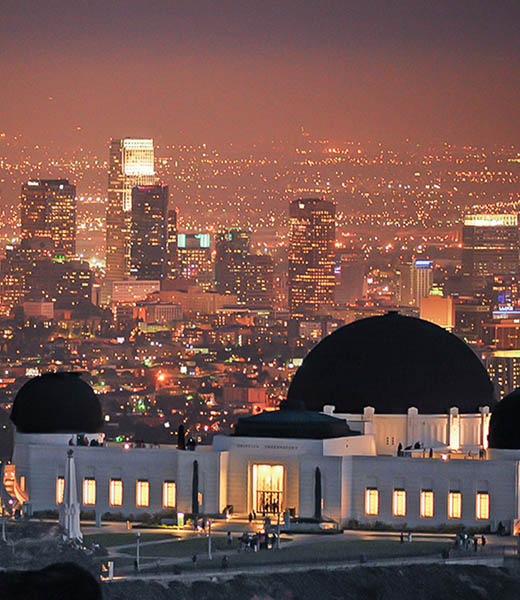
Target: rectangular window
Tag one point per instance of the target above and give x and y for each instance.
(116, 492)
(22, 483)
(371, 501)
(454, 505)
(142, 493)
(169, 494)
(482, 507)
(399, 503)
(89, 491)
(60, 490)
(426, 503)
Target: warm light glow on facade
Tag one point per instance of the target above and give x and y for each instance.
(89, 491)
(142, 493)
(169, 494)
(116, 492)
(482, 506)
(426, 503)
(60, 490)
(454, 505)
(399, 503)
(268, 488)
(491, 220)
(371, 501)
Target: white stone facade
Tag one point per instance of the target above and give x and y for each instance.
(349, 466)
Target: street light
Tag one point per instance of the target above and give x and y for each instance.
(137, 548)
(210, 555)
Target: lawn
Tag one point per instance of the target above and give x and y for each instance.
(118, 539)
(315, 552)
(324, 551)
(187, 548)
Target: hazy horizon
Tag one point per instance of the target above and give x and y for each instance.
(76, 74)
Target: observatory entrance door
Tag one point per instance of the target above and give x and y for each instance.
(268, 483)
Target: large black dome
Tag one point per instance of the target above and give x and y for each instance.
(57, 403)
(392, 362)
(503, 426)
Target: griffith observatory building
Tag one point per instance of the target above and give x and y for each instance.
(389, 419)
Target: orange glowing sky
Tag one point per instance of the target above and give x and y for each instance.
(77, 73)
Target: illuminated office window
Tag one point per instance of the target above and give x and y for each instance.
(482, 507)
(169, 494)
(60, 490)
(426, 503)
(372, 501)
(454, 505)
(399, 503)
(116, 492)
(142, 493)
(89, 491)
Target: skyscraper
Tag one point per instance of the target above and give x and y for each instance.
(149, 231)
(491, 246)
(259, 281)
(232, 249)
(194, 258)
(415, 282)
(48, 210)
(171, 244)
(311, 255)
(131, 164)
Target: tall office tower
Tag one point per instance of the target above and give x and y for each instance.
(415, 282)
(491, 246)
(18, 269)
(194, 258)
(311, 255)
(259, 281)
(350, 274)
(131, 164)
(149, 231)
(171, 244)
(232, 249)
(48, 210)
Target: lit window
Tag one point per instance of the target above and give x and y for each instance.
(399, 503)
(482, 507)
(426, 503)
(169, 494)
(454, 505)
(60, 490)
(142, 494)
(22, 483)
(89, 491)
(372, 501)
(116, 492)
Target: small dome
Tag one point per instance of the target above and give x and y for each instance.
(392, 363)
(503, 426)
(57, 403)
(292, 423)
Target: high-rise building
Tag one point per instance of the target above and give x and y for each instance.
(311, 255)
(349, 279)
(194, 258)
(438, 309)
(19, 268)
(48, 210)
(490, 246)
(415, 282)
(232, 249)
(259, 281)
(171, 244)
(131, 163)
(149, 231)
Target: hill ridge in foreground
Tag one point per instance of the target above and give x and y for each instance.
(414, 582)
